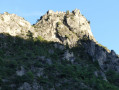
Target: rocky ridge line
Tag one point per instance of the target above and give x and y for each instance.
(64, 27)
(14, 25)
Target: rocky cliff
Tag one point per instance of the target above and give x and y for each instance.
(59, 52)
(71, 28)
(64, 27)
(14, 25)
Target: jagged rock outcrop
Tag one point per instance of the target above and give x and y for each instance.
(64, 27)
(107, 60)
(14, 25)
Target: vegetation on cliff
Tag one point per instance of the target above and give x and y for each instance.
(59, 52)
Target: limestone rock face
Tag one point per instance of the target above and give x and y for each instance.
(69, 56)
(64, 27)
(25, 86)
(20, 72)
(14, 25)
(107, 60)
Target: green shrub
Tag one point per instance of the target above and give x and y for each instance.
(30, 75)
(1, 81)
(67, 12)
(82, 32)
(30, 34)
(103, 47)
(58, 23)
(72, 17)
(67, 36)
(88, 22)
(39, 38)
(113, 77)
(42, 80)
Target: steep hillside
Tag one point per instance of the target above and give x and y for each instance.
(59, 52)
